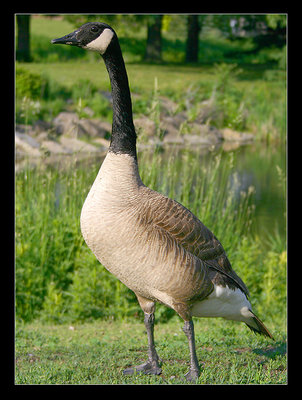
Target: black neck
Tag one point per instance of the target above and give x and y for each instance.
(123, 138)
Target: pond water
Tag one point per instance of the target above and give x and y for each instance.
(264, 168)
(260, 166)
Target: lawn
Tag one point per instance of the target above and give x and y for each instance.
(97, 353)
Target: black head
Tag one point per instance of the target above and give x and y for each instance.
(95, 36)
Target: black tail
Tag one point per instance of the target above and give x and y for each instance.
(258, 326)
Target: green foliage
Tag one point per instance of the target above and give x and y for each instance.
(39, 97)
(58, 279)
(83, 88)
(85, 94)
(218, 41)
(228, 98)
(30, 85)
(274, 281)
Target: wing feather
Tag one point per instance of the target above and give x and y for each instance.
(190, 233)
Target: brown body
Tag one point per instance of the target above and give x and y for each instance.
(153, 244)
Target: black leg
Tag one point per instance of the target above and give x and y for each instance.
(152, 365)
(194, 371)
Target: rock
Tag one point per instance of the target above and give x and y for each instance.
(67, 123)
(168, 106)
(145, 125)
(173, 138)
(27, 129)
(234, 136)
(171, 133)
(54, 147)
(26, 145)
(102, 141)
(41, 126)
(207, 110)
(197, 140)
(75, 145)
(41, 137)
(168, 121)
(180, 118)
(207, 133)
(88, 111)
(94, 127)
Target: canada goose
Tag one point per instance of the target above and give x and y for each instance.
(151, 243)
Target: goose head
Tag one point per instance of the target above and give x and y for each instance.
(94, 36)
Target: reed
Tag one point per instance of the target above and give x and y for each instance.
(57, 277)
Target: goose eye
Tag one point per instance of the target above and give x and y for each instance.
(94, 29)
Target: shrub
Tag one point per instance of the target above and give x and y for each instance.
(30, 85)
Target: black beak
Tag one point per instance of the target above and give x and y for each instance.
(70, 39)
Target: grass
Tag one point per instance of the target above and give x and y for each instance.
(58, 278)
(96, 353)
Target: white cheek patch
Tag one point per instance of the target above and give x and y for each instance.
(101, 43)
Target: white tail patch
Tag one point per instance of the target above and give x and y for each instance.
(224, 302)
(101, 43)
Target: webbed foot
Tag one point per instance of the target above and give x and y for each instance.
(192, 375)
(148, 368)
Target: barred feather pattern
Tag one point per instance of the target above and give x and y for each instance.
(189, 233)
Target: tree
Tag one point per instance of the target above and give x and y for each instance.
(154, 39)
(130, 22)
(23, 43)
(265, 30)
(193, 31)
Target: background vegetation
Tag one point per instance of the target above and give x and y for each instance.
(59, 281)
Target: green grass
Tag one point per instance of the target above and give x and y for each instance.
(141, 76)
(97, 353)
(58, 278)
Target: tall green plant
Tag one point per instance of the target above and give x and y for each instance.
(59, 279)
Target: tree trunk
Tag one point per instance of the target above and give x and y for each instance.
(23, 44)
(153, 47)
(194, 28)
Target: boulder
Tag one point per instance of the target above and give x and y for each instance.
(167, 105)
(206, 133)
(234, 136)
(197, 140)
(74, 145)
(41, 137)
(52, 147)
(94, 127)
(207, 110)
(175, 121)
(26, 145)
(172, 137)
(171, 132)
(101, 141)
(41, 126)
(145, 125)
(67, 123)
